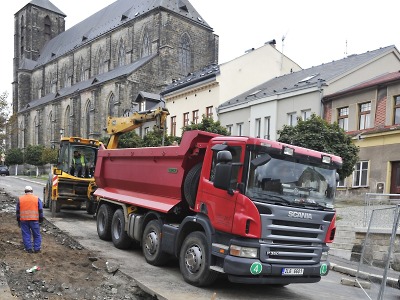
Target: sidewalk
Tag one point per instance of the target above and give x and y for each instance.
(366, 273)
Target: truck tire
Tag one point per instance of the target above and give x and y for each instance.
(151, 244)
(119, 237)
(191, 184)
(103, 221)
(194, 260)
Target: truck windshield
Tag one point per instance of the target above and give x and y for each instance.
(293, 182)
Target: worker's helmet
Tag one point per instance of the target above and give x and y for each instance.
(28, 189)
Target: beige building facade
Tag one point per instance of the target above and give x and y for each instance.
(200, 93)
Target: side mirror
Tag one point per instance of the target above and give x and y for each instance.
(223, 174)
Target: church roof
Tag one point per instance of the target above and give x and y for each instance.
(46, 4)
(82, 85)
(109, 18)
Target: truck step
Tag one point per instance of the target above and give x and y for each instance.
(217, 269)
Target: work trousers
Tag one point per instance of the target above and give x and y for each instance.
(31, 229)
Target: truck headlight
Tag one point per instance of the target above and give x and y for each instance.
(324, 256)
(243, 251)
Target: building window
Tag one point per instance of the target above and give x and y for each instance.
(186, 119)
(365, 115)
(146, 49)
(195, 117)
(185, 56)
(341, 183)
(146, 130)
(239, 127)
(397, 110)
(142, 105)
(121, 53)
(209, 112)
(292, 119)
(360, 174)
(305, 114)
(173, 126)
(257, 132)
(343, 118)
(229, 129)
(267, 126)
(111, 103)
(47, 29)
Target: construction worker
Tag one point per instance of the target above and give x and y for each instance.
(29, 218)
(79, 165)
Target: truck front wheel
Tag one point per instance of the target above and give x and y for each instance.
(120, 238)
(194, 261)
(104, 219)
(151, 244)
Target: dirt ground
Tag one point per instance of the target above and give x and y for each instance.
(67, 270)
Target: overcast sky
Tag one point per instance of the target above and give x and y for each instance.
(314, 31)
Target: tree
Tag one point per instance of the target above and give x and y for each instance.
(14, 156)
(49, 156)
(317, 134)
(33, 156)
(4, 113)
(207, 124)
(130, 140)
(155, 139)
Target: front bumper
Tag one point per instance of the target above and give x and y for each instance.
(239, 270)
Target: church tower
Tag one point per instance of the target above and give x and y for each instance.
(34, 25)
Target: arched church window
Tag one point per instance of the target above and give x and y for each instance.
(121, 53)
(111, 104)
(36, 131)
(22, 36)
(67, 123)
(185, 56)
(146, 49)
(21, 136)
(50, 127)
(47, 28)
(86, 119)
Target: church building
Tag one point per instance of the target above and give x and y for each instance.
(66, 82)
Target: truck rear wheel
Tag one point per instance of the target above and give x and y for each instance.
(194, 261)
(151, 244)
(191, 184)
(119, 237)
(104, 220)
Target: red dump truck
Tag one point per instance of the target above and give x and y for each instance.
(254, 210)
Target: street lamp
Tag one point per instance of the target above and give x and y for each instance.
(61, 132)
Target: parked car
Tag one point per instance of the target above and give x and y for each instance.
(4, 171)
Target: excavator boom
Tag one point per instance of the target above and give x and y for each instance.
(118, 125)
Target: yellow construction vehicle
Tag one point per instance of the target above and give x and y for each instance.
(69, 185)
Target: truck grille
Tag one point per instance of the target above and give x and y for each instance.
(288, 240)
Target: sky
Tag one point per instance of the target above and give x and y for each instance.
(310, 32)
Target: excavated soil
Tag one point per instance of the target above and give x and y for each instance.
(66, 269)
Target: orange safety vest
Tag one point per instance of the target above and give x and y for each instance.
(29, 207)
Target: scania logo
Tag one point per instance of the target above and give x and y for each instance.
(299, 215)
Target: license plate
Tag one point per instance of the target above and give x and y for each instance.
(292, 271)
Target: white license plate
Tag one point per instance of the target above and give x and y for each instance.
(292, 271)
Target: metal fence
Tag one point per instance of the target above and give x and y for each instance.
(377, 260)
(376, 201)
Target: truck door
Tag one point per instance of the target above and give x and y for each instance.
(217, 203)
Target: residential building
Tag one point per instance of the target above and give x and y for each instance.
(202, 91)
(370, 113)
(266, 108)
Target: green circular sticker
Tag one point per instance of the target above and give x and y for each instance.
(323, 270)
(256, 268)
